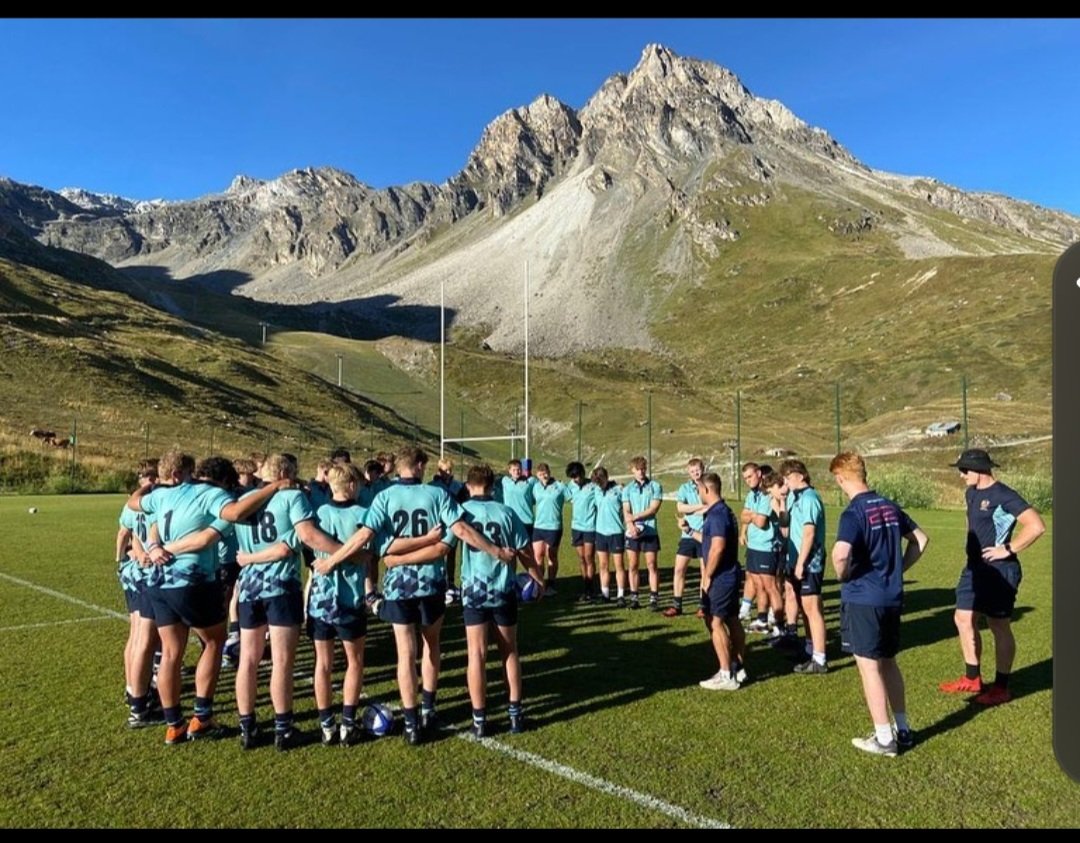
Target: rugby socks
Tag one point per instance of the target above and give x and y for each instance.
(348, 715)
(172, 715)
(326, 717)
(412, 715)
(654, 597)
(427, 702)
(514, 709)
(605, 593)
(902, 724)
(204, 708)
(677, 603)
(745, 606)
(247, 723)
(234, 632)
(971, 671)
(283, 722)
(479, 716)
(1001, 680)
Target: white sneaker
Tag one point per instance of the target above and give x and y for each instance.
(719, 683)
(741, 676)
(871, 745)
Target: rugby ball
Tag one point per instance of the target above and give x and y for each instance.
(378, 719)
(526, 588)
(32, 510)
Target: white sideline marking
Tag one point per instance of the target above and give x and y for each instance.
(643, 799)
(53, 623)
(602, 785)
(62, 596)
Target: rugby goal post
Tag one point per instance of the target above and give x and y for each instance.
(523, 436)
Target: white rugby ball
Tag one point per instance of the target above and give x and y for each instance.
(32, 510)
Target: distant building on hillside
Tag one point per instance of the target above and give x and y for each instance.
(779, 452)
(943, 428)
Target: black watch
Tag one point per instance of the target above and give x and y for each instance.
(1008, 547)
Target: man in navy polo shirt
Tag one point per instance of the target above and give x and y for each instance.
(870, 565)
(721, 581)
(989, 582)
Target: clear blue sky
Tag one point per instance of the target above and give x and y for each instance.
(175, 108)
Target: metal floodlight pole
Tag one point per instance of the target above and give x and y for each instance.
(838, 418)
(738, 426)
(648, 441)
(442, 367)
(263, 326)
(526, 431)
(963, 387)
(579, 431)
(339, 356)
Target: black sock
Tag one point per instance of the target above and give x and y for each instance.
(326, 717)
(677, 602)
(283, 722)
(1001, 680)
(247, 722)
(427, 700)
(971, 671)
(411, 716)
(348, 714)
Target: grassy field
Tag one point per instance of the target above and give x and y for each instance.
(623, 735)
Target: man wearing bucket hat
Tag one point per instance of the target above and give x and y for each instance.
(989, 581)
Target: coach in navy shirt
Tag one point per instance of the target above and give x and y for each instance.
(870, 561)
(991, 578)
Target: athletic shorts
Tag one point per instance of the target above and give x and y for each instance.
(872, 632)
(347, 629)
(414, 610)
(580, 537)
(283, 610)
(505, 615)
(722, 599)
(810, 584)
(989, 589)
(647, 544)
(689, 547)
(552, 537)
(611, 544)
(762, 562)
(196, 606)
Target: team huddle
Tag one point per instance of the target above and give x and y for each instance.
(220, 548)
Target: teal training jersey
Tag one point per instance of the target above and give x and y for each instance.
(760, 538)
(805, 507)
(228, 546)
(641, 496)
(409, 509)
(582, 506)
(549, 504)
(487, 583)
(179, 511)
(518, 495)
(688, 494)
(275, 522)
(609, 513)
(338, 597)
(131, 574)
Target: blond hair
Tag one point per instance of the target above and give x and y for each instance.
(341, 475)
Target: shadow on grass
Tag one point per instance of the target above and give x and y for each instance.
(1027, 680)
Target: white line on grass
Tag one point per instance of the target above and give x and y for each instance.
(576, 776)
(62, 596)
(54, 623)
(602, 785)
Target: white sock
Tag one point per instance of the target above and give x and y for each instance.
(883, 733)
(725, 674)
(606, 592)
(621, 593)
(901, 721)
(819, 657)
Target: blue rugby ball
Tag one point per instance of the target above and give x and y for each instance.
(527, 588)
